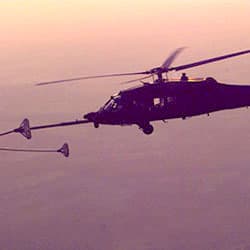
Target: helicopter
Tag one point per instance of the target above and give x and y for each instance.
(159, 100)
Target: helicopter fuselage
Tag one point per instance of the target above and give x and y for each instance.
(169, 100)
(160, 100)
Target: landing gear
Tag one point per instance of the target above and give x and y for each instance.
(96, 125)
(147, 129)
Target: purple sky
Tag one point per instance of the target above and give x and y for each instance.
(184, 187)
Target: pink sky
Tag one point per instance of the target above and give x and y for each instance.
(88, 37)
(185, 187)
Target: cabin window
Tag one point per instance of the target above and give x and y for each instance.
(157, 101)
(171, 99)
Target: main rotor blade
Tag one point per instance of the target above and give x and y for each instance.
(171, 58)
(91, 77)
(164, 66)
(135, 80)
(195, 64)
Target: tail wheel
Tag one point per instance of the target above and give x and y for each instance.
(148, 129)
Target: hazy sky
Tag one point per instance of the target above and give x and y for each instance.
(184, 187)
(124, 23)
(50, 39)
(47, 40)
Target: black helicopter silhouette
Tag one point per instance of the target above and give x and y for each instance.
(162, 99)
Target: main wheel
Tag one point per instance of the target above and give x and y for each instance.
(148, 129)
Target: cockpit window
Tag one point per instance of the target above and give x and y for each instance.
(113, 104)
(108, 105)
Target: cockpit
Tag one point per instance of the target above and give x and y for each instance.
(113, 104)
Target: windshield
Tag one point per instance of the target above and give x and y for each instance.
(113, 103)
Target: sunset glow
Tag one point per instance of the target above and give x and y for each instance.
(184, 187)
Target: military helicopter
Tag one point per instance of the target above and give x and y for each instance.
(159, 100)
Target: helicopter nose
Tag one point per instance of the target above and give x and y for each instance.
(90, 116)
